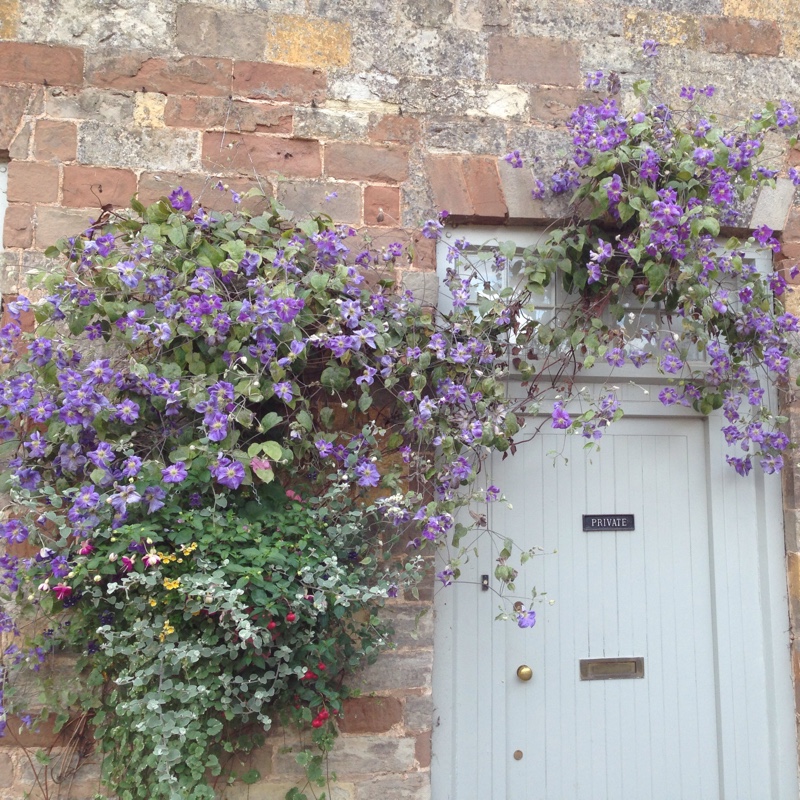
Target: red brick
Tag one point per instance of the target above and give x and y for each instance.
(534, 60)
(791, 231)
(366, 162)
(216, 112)
(29, 182)
(53, 223)
(449, 186)
(54, 140)
(550, 104)
(155, 185)
(262, 153)
(483, 185)
(14, 104)
(737, 35)
(370, 714)
(95, 186)
(139, 72)
(22, 62)
(381, 205)
(422, 749)
(18, 226)
(278, 82)
(396, 128)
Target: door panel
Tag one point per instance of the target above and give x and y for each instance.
(645, 592)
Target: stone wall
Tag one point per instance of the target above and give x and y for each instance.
(398, 107)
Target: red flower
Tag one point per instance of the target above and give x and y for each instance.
(310, 676)
(62, 591)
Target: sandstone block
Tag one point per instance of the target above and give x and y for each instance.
(412, 622)
(203, 188)
(54, 223)
(396, 128)
(361, 755)
(304, 41)
(732, 35)
(278, 82)
(326, 124)
(18, 225)
(54, 140)
(422, 749)
(15, 103)
(262, 154)
(136, 71)
(418, 712)
(423, 285)
(405, 670)
(233, 115)
(30, 182)
(87, 186)
(554, 105)
(412, 786)
(207, 31)
(365, 162)
(342, 201)
(25, 62)
(381, 205)
(533, 60)
(103, 105)
(138, 148)
(370, 714)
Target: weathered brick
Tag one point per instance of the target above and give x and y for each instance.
(261, 153)
(306, 41)
(732, 35)
(54, 140)
(87, 186)
(54, 223)
(449, 186)
(381, 205)
(551, 104)
(422, 750)
(216, 32)
(18, 735)
(138, 148)
(423, 285)
(203, 188)
(485, 191)
(16, 101)
(342, 201)
(233, 115)
(366, 162)
(138, 72)
(370, 714)
(534, 60)
(411, 786)
(20, 145)
(29, 182)
(24, 62)
(398, 128)
(18, 225)
(278, 82)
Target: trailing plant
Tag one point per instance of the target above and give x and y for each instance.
(230, 435)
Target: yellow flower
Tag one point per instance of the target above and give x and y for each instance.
(170, 584)
(166, 631)
(153, 603)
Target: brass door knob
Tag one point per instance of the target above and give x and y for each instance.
(524, 672)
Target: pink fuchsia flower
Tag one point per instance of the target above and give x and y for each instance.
(152, 559)
(292, 495)
(62, 591)
(86, 549)
(128, 562)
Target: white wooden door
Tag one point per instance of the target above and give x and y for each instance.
(688, 591)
